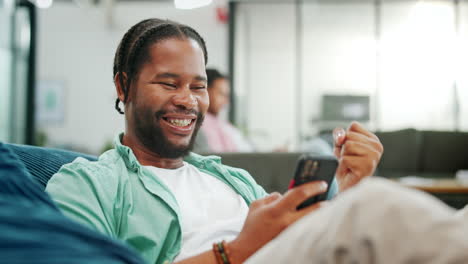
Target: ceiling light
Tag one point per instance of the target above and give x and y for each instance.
(190, 4)
(43, 3)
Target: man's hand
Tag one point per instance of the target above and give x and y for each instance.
(358, 152)
(269, 216)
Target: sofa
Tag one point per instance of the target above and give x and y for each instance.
(431, 154)
(42, 162)
(407, 152)
(32, 229)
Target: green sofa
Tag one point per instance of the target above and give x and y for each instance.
(432, 154)
(408, 152)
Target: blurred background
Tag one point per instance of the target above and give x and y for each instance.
(297, 68)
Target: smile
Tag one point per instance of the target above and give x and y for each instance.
(180, 124)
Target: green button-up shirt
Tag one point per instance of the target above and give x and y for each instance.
(121, 198)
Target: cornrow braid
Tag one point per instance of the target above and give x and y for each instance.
(133, 49)
(120, 58)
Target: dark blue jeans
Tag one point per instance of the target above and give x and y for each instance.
(33, 230)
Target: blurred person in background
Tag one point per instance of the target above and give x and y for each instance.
(217, 134)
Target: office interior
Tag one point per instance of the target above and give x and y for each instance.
(297, 70)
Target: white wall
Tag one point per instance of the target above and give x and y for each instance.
(77, 46)
(409, 74)
(265, 74)
(338, 57)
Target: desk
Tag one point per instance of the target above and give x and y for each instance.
(438, 186)
(451, 191)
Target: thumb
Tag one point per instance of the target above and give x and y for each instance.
(341, 171)
(339, 137)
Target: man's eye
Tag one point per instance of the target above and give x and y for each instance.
(168, 84)
(198, 87)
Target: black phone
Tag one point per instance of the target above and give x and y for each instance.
(314, 168)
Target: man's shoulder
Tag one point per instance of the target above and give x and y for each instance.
(109, 164)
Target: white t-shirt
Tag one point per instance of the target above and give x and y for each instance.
(211, 211)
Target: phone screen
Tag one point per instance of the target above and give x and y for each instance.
(315, 168)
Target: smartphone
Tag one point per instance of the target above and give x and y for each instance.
(314, 168)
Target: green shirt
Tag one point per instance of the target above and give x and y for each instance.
(121, 198)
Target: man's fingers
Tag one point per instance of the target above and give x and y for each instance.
(357, 127)
(359, 137)
(356, 148)
(360, 166)
(342, 170)
(339, 138)
(295, 196)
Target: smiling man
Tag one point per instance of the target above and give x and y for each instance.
(166, 202)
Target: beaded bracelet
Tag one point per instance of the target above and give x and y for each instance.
(222, 253)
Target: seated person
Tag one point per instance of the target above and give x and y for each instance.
(217, 134)
(172, 205)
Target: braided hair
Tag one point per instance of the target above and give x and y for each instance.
(133, 50)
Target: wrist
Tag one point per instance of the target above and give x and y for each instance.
(240, 251)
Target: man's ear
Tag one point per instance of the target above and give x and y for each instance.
(120, 79)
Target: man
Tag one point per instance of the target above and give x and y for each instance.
(216, 134)
(168, 203)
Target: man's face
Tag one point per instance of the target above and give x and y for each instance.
(169, 99)
(219, 95)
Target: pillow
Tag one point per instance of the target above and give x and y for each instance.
(32, 228)
(42, 162)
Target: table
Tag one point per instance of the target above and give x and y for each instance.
(451, 191)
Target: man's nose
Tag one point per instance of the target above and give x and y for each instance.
(185, 98)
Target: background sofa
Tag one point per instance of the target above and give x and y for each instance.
(407, 152)
(433, 154)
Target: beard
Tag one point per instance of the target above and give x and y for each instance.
(150, 133)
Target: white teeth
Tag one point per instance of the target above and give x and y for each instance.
(180, 122)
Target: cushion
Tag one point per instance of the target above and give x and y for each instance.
(42, 162)
(32, 228)
(444, 151)
(273, 171)
(402, 152)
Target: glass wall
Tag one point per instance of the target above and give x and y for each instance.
(302, 67)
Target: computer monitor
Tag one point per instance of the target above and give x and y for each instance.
(345, 108)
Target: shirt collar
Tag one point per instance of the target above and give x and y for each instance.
(127, 154)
